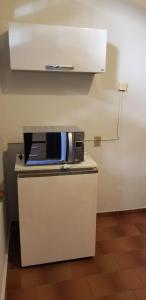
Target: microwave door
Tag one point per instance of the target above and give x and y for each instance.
(63, 146)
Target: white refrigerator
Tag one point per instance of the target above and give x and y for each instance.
(57, 211)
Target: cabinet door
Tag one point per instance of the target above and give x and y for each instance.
(57, 217)
(56, 48)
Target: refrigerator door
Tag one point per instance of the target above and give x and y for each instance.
(62, 211)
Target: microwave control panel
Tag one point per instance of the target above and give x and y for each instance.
(78, 146)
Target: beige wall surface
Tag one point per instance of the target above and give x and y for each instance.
(91, 102)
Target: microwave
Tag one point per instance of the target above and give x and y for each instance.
(53, 145)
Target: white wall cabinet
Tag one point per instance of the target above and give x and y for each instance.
(57, 48)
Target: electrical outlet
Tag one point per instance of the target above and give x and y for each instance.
(123, 86)
(97, 141)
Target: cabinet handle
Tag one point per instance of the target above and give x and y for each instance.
(33, 155)
(59, 67)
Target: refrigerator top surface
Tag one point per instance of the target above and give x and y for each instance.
(88, 163)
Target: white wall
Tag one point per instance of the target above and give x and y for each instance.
(90, 102)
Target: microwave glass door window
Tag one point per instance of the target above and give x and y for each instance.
(56, 146)
(53, 145)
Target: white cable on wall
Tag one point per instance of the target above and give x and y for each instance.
(120, 108)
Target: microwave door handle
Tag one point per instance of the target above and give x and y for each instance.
(70, 146)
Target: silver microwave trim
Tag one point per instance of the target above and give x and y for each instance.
(70, 146)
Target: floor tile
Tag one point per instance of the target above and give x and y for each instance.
(133, 242)
(108, 220)
(99, 264)
(83, 267)
(141, 227)
(32, 277)
(21, 294)
(25, 278)
(140, 294)
(128, 295)
(141, 273)
(72, 290)
(106, 263)
(98, 250)
(126, 280)
(13, 279)
(112, 283)
(134, 217)
(109, 246)
(131, 259)
(57, 272)
(101, 285)
(108, 233)
(117, 272)
(123, 244)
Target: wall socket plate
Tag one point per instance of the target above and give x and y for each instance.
(123, 86)
(97, 141)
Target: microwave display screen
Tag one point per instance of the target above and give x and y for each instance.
(79, 144)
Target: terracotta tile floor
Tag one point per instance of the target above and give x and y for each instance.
(117, 272)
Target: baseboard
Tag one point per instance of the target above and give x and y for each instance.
(4, 277)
